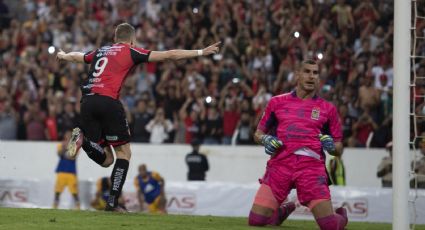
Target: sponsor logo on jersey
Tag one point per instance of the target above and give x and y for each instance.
(315, 113)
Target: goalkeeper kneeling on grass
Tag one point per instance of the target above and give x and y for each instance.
(297, 159)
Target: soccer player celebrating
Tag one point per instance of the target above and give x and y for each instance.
(103, 121)
(295, 129)
(150, 189)
(66, 173)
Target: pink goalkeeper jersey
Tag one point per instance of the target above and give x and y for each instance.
(297, 123)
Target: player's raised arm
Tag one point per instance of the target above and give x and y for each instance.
(71, 56)
(156, 56)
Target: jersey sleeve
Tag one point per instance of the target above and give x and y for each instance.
(88, 57)
(268, 120)
(335, 125)
(139, 55)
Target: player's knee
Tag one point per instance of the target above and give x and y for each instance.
(264, 201)
(123, 151)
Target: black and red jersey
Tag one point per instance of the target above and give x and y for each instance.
(109, 68)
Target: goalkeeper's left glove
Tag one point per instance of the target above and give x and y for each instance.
(327, 143)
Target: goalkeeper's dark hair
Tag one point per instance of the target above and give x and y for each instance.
(124, 32)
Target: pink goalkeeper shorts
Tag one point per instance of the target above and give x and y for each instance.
(306, 174)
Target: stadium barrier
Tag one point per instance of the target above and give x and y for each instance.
(236, 164)
(208, 198)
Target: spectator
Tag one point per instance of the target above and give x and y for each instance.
(34, 121)
(419, 168)
(229, 105)
(369, 97)
(212, 126)
(245, 129)
(347, 122)
(385, 168)
(67, 118)
(192, 121)
(196, 162)
(344, 15)
(4, 15)
(159, 127)
(258, 50)
(362, 130)
(141, 118)
(8, 124)
(51, 125)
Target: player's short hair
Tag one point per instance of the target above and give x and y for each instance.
(124, 32)
(310, 62)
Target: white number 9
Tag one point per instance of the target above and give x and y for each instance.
(100, 66)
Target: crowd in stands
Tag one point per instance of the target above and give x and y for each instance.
(217, 99)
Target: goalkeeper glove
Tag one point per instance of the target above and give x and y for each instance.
(327, 143)
(271, 144)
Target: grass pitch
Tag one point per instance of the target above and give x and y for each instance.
(14, 218)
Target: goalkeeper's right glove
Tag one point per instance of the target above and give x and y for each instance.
(271, 144)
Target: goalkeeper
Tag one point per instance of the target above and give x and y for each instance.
(295, 129)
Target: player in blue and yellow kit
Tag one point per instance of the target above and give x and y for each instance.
(103, 186)
(66, 173)
(150, 189)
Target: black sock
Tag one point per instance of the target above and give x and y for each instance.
(118, 176)
(94, 151)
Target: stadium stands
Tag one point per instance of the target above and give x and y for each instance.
(262, 42)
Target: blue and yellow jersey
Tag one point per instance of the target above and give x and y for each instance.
(65, 165)
(151, 188)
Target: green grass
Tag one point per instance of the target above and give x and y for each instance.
(13, 218)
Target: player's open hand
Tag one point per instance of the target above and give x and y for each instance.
(327, 143)
(271, 144)
(212, 49)
(60, 54)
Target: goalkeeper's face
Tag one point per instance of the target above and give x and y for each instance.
(308, 77)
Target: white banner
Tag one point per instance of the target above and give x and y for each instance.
(217, 199)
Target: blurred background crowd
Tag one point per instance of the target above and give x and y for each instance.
(214, 99)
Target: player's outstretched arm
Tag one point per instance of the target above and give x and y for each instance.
(175, 55)
(71, 56)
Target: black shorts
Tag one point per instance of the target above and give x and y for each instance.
(103, 120)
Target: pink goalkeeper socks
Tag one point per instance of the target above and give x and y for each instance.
(257, 220)
(332, 222)
(260, 220)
